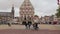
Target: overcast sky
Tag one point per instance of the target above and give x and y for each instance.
(41, 7)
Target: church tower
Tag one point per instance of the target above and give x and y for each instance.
(26, 10)
(12, 11)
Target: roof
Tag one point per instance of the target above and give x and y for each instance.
(5, 13)
(26, 5)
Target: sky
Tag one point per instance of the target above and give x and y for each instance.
(41, 7)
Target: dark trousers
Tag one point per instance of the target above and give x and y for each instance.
(26, 25)
(9, 24)
(29, 24)
(35, 26)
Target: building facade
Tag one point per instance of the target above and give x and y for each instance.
(47, 19)
(26, 10)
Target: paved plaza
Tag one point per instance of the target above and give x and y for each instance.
(41, 26)
(20, 29)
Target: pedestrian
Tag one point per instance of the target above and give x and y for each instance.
(50, 22)
(35, 25)
(29, 24)
(25, 23)
(9, 24)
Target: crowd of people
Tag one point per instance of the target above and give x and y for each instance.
(29, 23)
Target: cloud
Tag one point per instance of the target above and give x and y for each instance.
(45, 7)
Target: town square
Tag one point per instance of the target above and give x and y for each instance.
(29, 16)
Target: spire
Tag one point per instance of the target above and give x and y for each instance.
(26, 4)
(13, 7)
(12, 10)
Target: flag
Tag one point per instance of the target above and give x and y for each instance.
(58, 1)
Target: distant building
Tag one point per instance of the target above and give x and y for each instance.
(17, 19)
(7, 16)
(42, 20)
(47, 19)
(55, 18)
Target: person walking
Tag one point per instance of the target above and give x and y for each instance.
(36, 22)
(9, 24)
(29, 24)
(25, 23)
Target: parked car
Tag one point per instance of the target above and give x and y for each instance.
(55, 22)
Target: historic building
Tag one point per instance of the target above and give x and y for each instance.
(46, 19)
(26, 10)
(7, 16)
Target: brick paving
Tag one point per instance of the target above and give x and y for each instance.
(18, 31)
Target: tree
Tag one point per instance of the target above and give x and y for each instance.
(58, 12)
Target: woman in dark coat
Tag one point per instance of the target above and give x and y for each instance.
(24, 23)
(29, 24)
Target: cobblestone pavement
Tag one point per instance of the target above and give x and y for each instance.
(18, 31)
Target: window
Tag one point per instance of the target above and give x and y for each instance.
(27, 6)
(29, 10)
(26, 10)
(23, 10)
